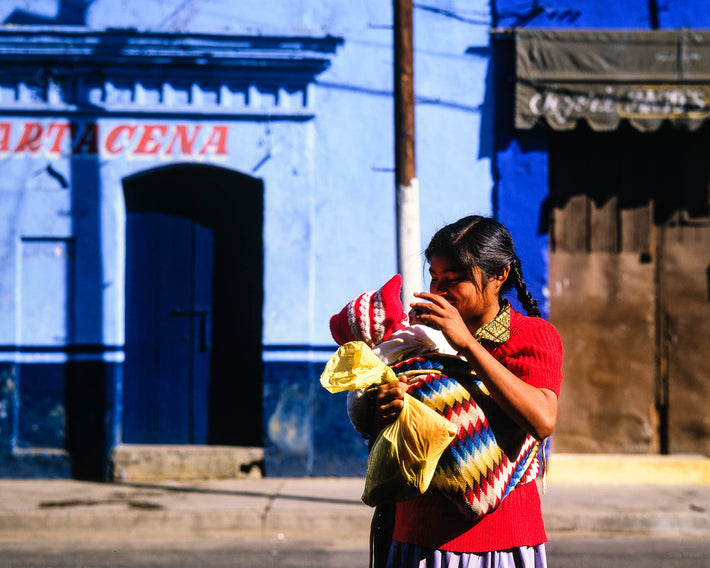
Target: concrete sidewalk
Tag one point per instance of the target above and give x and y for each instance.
(265, 507)
(308, 508)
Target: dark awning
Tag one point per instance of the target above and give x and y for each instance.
(604, 76)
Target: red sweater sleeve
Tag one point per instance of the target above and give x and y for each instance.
(533, 353)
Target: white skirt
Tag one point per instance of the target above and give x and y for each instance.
(404, 555)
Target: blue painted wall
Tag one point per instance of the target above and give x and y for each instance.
(324, 152)
(319, 138)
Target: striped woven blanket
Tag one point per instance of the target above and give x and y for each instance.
(490, 454)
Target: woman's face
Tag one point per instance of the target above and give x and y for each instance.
(475, 300)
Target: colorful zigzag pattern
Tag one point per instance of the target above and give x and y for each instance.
(474, 471)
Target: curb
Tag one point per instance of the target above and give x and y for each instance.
(613, 469)
(182, 525)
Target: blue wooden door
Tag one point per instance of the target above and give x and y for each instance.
(168, 329)
(194, 297)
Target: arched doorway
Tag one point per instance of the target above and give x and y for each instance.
(194, 295)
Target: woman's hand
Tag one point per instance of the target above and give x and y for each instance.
(534, 409)
(390, 400)
(440, 314)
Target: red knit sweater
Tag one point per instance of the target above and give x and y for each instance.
(534, 354)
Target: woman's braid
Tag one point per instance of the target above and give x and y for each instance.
(524, 297)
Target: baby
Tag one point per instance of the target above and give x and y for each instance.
(378, 319)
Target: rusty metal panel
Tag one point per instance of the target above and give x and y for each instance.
(635, 229)
(686, 283)
(603, 225)
(603, 306)
(569, 229)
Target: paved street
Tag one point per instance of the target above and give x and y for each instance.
(207, 553)
(563, 552)
(640, 552)
(316, 523)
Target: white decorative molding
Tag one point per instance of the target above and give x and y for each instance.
(125, 72)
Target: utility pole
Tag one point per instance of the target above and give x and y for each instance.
(407, 185)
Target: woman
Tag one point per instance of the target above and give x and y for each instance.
(472, 264)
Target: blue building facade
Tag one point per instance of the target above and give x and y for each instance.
(190, 190)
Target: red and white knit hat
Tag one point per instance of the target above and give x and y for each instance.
(371, 317)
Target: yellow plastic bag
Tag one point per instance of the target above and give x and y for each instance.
(354, 366)
(404, 457)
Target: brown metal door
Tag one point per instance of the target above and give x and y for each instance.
(629, 261)
(686, 337)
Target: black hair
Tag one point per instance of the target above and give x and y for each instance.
(483, 242)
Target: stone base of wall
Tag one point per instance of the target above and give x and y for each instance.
(137, 462)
